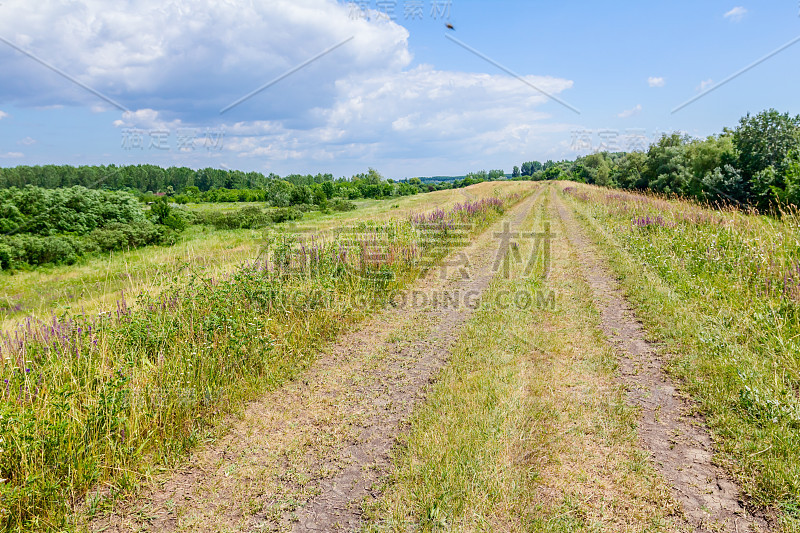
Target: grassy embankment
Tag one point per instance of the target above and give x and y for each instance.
(92, 400)
(526, 428)
(722, 289)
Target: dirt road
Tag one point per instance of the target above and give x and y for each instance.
(305, 457)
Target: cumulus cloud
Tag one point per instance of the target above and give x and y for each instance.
(408, 114)
(176, 67)
(736, 14)
(631, 112)
(191, 61)
(653, 81)
(3, 115)
(27, 141)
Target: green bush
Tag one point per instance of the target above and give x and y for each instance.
(125, 236)
(286, 214)
(33, 250)
(342, 205)
(75, 210)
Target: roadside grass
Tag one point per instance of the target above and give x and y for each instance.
(720, 289)
(525, 429)
(94, 401)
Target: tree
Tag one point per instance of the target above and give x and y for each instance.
(725, 185)
(515, 172)
(496, 174)
(603, 176)
(792, 177)
(279, 193)
(666, 170)
(160, 210)
(765, 140)
(631, 170)
(329, 189)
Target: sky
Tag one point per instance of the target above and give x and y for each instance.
(309, 86)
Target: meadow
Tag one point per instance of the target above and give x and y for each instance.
(95, 283)
(124, 363)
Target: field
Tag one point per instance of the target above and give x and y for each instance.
(511, 356)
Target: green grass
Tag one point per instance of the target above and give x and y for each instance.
(721, 289)
(94, 400)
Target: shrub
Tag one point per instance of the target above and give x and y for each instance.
(124, 236)
(174, 222)
(286, 214)
(342, 205)
(33, 250)
(75, 210)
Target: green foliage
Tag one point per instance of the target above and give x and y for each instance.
(792, 177)
(26, 249)
(286, 214)
(59, 226)
(749, 166)
(342, 205)
(75, 210)
(764, 140)
(141, 178)
(160, 210)
(118, 236)
(724, 185)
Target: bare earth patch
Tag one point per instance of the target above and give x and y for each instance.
(306, 456)
(676, 437)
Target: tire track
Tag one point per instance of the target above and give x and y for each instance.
(678, 441)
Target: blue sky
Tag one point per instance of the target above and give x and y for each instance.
(395, 94)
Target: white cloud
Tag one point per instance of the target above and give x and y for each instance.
(631, 112)
(175, 67)
(12, 155)
(705, 84)
(736, 14)
(420, 113)
(3, 115)
(192, 61)
(27, 141)
(653, 81)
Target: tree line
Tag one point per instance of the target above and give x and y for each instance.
(756, 164)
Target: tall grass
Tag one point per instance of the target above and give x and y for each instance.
(723, 288)
(92, 400)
